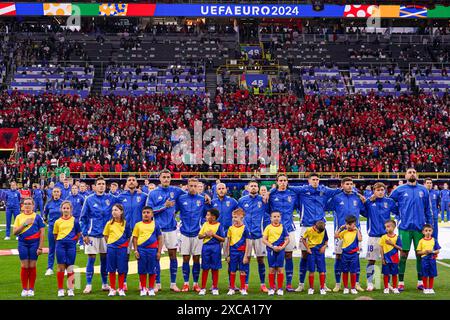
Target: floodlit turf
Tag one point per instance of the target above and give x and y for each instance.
(46, 287)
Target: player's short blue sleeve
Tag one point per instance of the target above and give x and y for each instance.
(325, 237)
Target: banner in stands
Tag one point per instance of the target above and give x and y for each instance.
(249, 80)
(252, 51)
(8, 138)
(221, 10)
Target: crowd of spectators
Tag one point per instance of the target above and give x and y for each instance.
(113, 134)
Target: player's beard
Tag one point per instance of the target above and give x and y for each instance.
(412, 179)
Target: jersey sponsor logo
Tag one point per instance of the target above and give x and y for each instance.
(341, 203)
(215, 205)
(159, 198)
(276, 199)
(185, 203)
(95, 205)
(374, 204)
(405, 194)
(246, 205)
(124, 200)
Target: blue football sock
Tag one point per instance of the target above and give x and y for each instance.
(158, 272)
(103, 271)
(186, 271)
(289, 270)
(337, 270)
(90, 270)
(247, 275)
(173, 270)
(357, 276)
(303, 266)
(195, 272)
(262, 272)
(370, 271)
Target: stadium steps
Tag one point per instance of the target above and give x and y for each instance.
(99, 75)
(211, 83)
(347, 79)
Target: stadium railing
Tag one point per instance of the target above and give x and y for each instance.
(261, 175)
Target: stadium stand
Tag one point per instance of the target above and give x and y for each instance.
(126, 97)
(54, 79)
(141, 80)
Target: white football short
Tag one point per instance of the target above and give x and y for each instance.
(170, 239)
(291, 245)
(373, 249)
(301, 246)
(190, 246)
(95, 246)
(258, 247)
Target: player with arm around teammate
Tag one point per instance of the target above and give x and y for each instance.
(313, 199)
(256, 219)
(96, 212)
(285, 201)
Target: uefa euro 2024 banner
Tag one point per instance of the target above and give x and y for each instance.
(220, 10)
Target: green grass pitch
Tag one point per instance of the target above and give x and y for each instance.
(46, 287)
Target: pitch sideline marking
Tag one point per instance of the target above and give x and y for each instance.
(443, 263)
